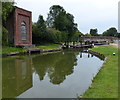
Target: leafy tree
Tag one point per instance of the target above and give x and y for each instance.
(65, 22)
(71, 26)
(94, 32)
(110, 32)
(87, 34)
(4, 36)
(39, 30)
(54, 35)
(118, 35)
(53, 13)
(62, 21)
(41, 26)
(7, 8)
(76, 36)
(34, 33)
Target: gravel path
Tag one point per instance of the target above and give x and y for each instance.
(117, 45)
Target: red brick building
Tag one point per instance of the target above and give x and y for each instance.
(19, 25)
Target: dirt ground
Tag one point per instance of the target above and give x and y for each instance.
(117, 45)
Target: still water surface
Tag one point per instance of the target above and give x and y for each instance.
(66, 74)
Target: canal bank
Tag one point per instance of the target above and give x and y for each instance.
(10, 51)
(105, 84)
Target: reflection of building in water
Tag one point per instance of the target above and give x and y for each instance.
(18, 78)
(24, 75)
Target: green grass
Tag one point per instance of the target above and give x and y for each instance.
(105, 84)
(7, 49)
(106, 50)
(49, 46)
(11, 49)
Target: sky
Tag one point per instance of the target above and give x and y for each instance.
(88, 14)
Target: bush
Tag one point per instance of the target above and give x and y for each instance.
(4, 36)
(54, 35)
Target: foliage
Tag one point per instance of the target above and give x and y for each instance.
(53, 13)
(62, 21)
(61, 27)
(118, 35)
(39, 30)
(54, 35)
(4, 36)
(87, 34)
(94, 32)
(64, 36)
(76, 36)
(71, 26)
(111, 32)
(7, 8)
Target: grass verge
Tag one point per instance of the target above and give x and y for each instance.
(11, 49)
(105, 84)
(7, 49)
(49, 46)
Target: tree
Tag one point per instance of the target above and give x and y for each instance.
(71, 27)
(76, 36)
(41, 26)
(65, 22)
(94, 32)
(118, 35)
(87, 34)
(110, 32)
(7, 8)
(62, 21)
(53, 13)
(39, 30)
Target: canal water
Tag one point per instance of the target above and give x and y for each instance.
(65, 74)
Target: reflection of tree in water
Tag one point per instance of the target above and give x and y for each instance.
(62, 68)
(57, 65)
(42, 64)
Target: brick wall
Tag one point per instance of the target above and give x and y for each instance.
(22, 15)
(15, 19)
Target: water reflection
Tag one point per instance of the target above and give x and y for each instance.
(17, 77)
(58, 66)
(89, 55)
(46, 75)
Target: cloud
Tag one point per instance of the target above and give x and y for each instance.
(88, 13)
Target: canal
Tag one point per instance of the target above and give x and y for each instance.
(65, 74)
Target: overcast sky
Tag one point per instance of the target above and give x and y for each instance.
(100, 14)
